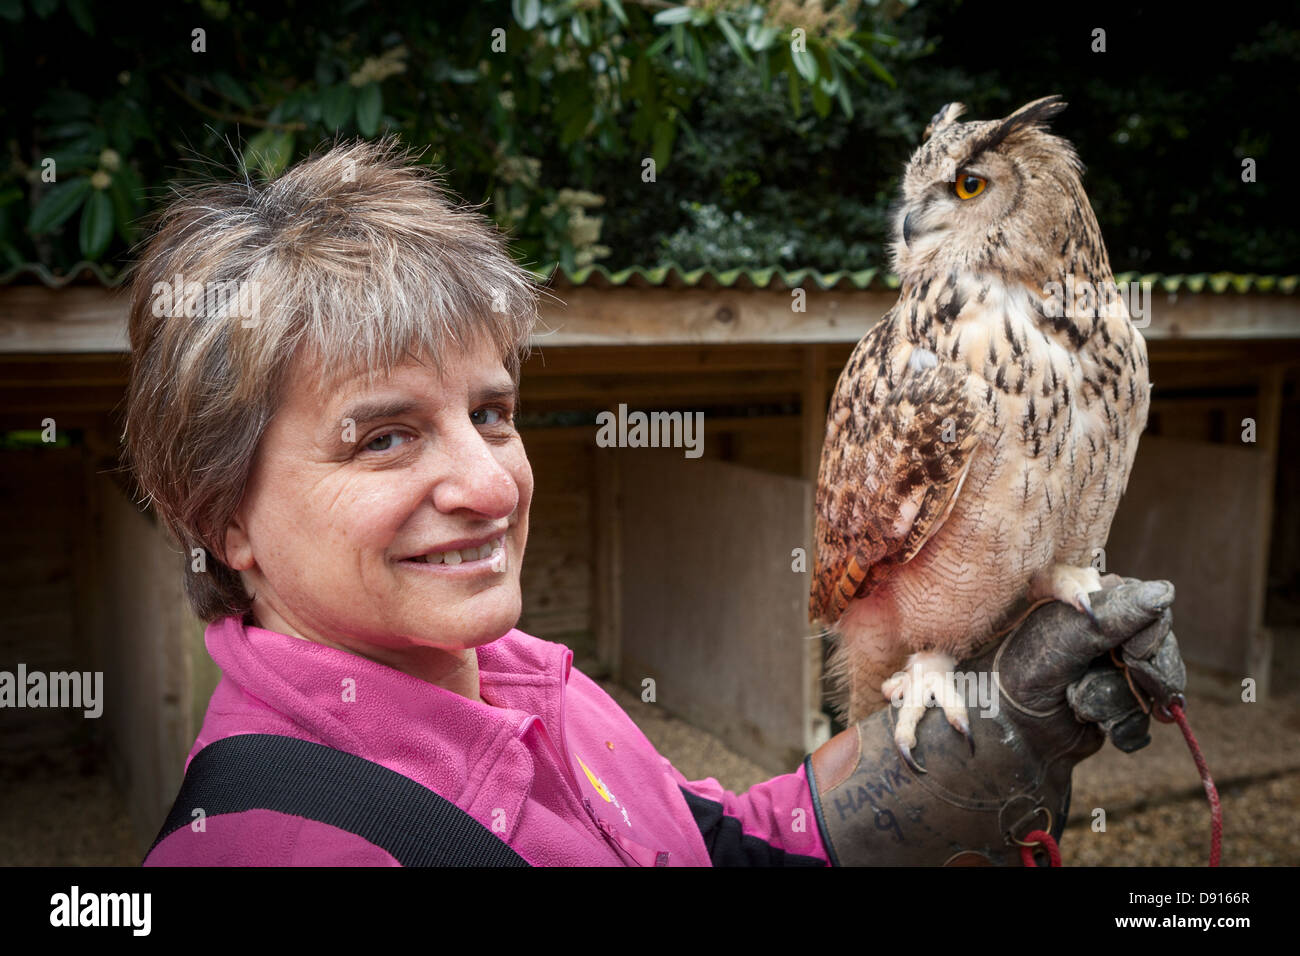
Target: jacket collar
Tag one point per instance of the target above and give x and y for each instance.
(354, 704)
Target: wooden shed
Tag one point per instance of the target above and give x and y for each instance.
(683, 573)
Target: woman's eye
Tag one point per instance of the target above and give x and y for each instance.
(385, 442)
(968, 186)
(486, 416)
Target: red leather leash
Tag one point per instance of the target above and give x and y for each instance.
(1211, 792)
(1040, 837)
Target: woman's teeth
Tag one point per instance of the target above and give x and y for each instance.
(464, 554)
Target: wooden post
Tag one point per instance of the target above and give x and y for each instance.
(607, 589)
(1268, 416)
(814, 409)
(812, 437)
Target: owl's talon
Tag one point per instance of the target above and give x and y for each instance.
(1062, 582)
(1085, 605)
(962, 726)
(905, 752)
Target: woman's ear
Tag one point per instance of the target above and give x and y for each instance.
(238, 545)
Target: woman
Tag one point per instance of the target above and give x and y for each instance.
(331, 438)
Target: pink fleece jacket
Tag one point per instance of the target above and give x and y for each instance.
(561, 770)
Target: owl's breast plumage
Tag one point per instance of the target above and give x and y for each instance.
(1060, 428)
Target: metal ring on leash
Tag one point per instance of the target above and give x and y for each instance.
(1048, 828)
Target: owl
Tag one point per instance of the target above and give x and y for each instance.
(982, 433)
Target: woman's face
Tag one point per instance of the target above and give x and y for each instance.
(391, 519)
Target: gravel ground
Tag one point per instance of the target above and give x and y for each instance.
(61, 809)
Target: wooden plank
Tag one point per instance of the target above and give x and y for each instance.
(1190, 515)
(712, 609)
(607, 569)
(812, 437)
(603, 359)
(91, 319)
(73, 319)
(813, 403)
(656, 390)
(1268, 422)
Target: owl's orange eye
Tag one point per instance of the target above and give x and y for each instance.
(968, 186)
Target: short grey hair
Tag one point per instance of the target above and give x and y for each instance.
(356, 259)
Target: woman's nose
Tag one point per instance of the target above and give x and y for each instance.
(471, 477)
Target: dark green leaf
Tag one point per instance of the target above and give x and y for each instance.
(80, 12)
(62, 105)
(336, 105)
(526, 12)
(58, 204)
(696, 53)
(821, 100)
(616, 8)
(664, 136)
(96, 224)
(846, 101)
(654, 49)
(673, 15)
(576, 127)
(824, 68)
(581, 31)
(639, 76)
(125, 193)
(805, 63)
(43, 8)
(734, 39)
(843, 62)
(231, 89)
(69, 160)
(760, 37)
(370, 102)
(874, 66)
(11, 10)
(269, 151)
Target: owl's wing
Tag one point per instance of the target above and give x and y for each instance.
(901, 432)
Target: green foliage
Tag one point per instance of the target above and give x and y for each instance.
(519, 102)
(770, 146)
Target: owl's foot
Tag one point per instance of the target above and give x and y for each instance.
(927, 681)
(1061, 582)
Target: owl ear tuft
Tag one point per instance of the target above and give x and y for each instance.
(1037, 113)
(946, 116)
(1033, 115)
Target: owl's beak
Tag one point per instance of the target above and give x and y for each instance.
(907, 229)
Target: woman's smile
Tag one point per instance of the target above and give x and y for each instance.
(463, 557)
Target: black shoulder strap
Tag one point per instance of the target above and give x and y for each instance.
(272, 772)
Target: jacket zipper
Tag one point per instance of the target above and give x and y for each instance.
(610, 835)
(605, 831)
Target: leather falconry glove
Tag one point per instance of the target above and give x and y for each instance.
(1056, 696)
